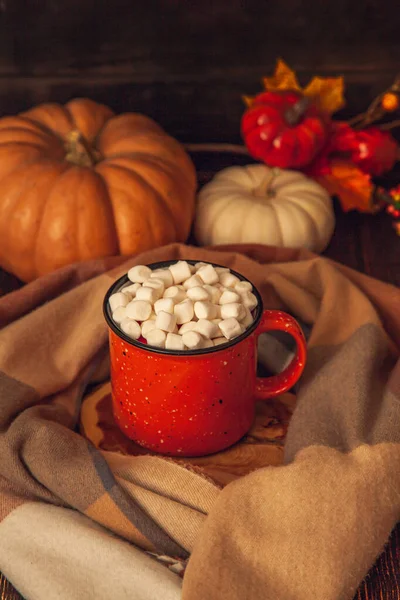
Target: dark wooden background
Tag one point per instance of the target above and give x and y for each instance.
(187, 64)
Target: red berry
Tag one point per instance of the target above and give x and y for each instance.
(395, 193)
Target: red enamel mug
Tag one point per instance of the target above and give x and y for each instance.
(194, 403)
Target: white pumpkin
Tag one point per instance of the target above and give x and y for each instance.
(258, 204)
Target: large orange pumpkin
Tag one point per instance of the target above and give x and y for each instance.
(77, 182)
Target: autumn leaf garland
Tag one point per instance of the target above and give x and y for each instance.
(326, 93)
(353, 152)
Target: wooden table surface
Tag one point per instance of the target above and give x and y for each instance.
(368, 244)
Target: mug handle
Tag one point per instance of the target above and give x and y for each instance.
(270, 387)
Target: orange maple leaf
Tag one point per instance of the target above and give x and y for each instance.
(284, 78)
(353, 187)
(326, 92)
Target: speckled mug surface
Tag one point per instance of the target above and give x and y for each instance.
(195, 402)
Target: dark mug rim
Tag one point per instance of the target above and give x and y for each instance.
(119, 283)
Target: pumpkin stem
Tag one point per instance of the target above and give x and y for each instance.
(78, 150)
(263, 189)
(296, 112)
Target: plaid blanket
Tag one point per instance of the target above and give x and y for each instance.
(80, 520)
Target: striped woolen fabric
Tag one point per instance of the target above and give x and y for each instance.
(304, 523)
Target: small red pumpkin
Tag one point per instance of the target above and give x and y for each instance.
(372, 150)
(284, 129)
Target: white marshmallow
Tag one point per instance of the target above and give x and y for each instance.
(231, 328)
(207, 328)
(148, 326)
(191, 326)
(147, 294)
(228, 280)
(174, 342)
(193, 281)
(249, 300)
(228, 296)
(119, 314)
(243, 286)
(214, 293)
(180, 271)
(197, 293)
(165, 275)
(247, 320)
(118, 299)
(139, 273)
(207, 343)
(165, 321)
(130, 290)
(131, 328)
(192, 340)
(208, 274)
(156, 338)
(202, 300)
(234, 309)
(205, 310)
(139, 310)
(175, 293)
(155, 284)
(184, 311)
(165, 305)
